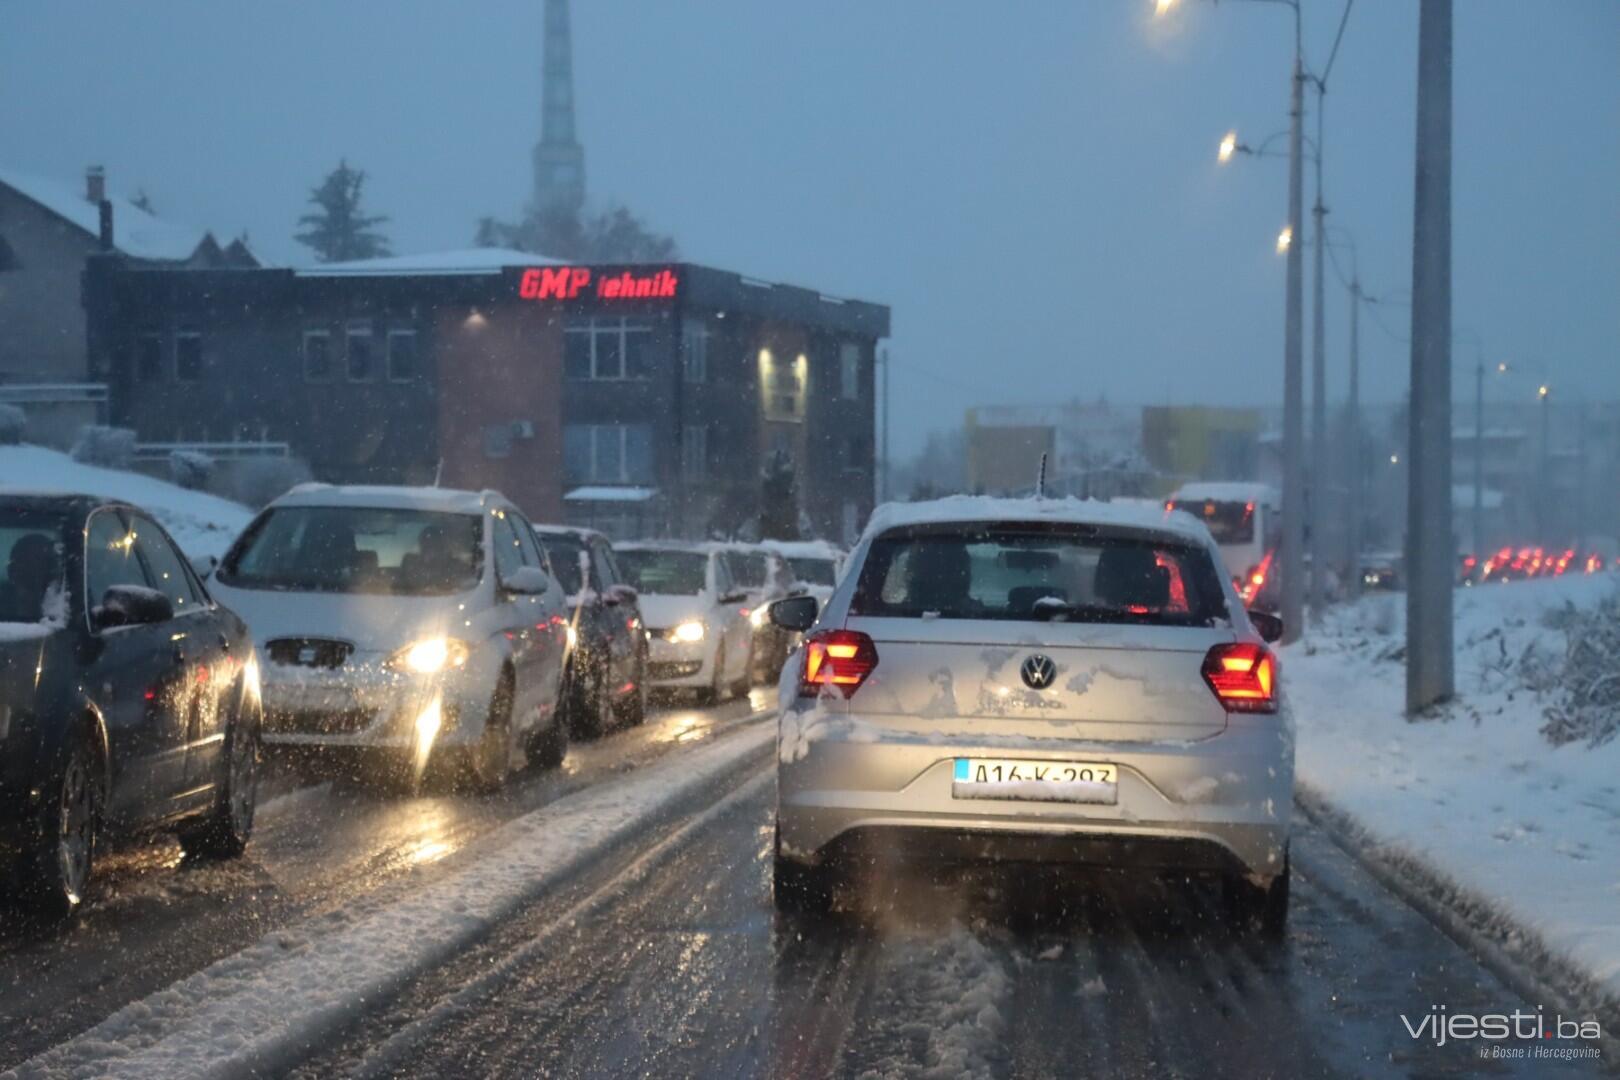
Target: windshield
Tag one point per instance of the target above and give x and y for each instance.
(1228, 522)
(1032, 574)
(341, 549)
(33, 588)
(812, 571)
(666, 573)
(565, 553)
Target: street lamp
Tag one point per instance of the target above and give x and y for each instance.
(1285, 239)
(1293, 464)
(1228, 147)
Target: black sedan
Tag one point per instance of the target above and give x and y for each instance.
(128, 698)
(606, 680)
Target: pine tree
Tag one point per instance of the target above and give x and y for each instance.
(613, 236)
(336, 230)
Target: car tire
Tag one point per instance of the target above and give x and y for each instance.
(488, 763)
(633, 709)
(798, 889)
(225, 832)
(547, 748)
(55, 884)
(590, 707)
(715, 693)
(1261, 910)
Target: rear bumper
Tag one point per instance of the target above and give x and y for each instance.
(1222, 802)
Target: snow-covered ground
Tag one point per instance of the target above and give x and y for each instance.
(202, 524)
(1477, 794)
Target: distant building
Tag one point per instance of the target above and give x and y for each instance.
(1202, 442)
(1093, 450)
(47, 232)
(640, 399)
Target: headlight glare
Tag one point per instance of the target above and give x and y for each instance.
(688, 632)
(430, 656)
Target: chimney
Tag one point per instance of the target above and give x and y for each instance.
(95, 184)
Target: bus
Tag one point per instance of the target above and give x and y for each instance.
(1244, 518)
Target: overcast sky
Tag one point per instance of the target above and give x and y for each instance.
(1031, 185)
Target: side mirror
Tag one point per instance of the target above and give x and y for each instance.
(1267, 625)
(620, 594)
(132, 605)
(734, 598)
(205, 565)
(526, 581)
(796, 613)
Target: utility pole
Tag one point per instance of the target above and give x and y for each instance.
(1358, 466)
(1479, 456)
(1293, 463)
(1318, 481)
(1543, 465)
(1580, 477)
(1430, 676)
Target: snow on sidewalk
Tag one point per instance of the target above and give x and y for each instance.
(1477, 793)
(263, 1007)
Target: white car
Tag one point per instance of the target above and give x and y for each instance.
(699, 635)
(1044, 680)
(415, 624)
(766, 577)
(814, 564)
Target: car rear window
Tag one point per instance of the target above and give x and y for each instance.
(32, 588)
(564, 552)
(813, 571)
(1038, 573)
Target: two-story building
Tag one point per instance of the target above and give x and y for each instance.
(639, 399)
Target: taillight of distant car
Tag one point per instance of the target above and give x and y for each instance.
(1243, 676)
(840, 658)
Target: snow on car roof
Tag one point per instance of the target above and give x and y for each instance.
(696, 548)
(1228, 491)
(805, 549)
(569, 530)
(978, 508)
(447, 500)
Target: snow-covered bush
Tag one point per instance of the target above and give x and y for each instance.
(191, 469)
(12, 423)
(256, 481)
(1583, 684)
(109, 447)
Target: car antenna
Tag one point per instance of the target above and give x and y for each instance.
(1040, 479)
(438, 472)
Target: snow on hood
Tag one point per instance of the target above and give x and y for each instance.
(663, 611)
(372, 623)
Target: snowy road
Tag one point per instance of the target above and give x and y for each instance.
(153, 920)
(667, 960)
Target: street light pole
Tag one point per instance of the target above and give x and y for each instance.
(1541, 470)
(1357, 464)
(1430, 660)
(1479, 456)
(1293, 465)
(1318, 479)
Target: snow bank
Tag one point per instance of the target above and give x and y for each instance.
(1478, 794)
(261, 1009)
(202, 524)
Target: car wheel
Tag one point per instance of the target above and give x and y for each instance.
(590, 707)
(633, 709)
(1259, 909)
(67, 851)
(225, 832)
(799, 889)
(715, 693)
(548, 748)
(488, 762)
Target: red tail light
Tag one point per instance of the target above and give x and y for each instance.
(841, 658)
(1243, 676)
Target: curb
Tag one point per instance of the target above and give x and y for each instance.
(1511, 951)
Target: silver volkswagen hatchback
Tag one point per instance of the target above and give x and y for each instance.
(1042, 680)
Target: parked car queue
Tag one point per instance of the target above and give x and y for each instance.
(404, 635)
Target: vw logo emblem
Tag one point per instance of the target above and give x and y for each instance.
(1038, 671)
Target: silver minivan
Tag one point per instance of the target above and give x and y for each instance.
(1035, 680)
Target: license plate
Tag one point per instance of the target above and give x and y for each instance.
(1046, 781)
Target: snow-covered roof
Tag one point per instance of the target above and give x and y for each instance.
(569, 530)
(971, 508)
(135, 232)
(1228, 491)
(483, 260)
(446, 500)
(805, 549)
(695, 547)
(611, 494)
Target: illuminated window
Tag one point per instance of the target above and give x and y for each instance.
(360, 362)
(187, 356)
(782, 383)
(317, 356)
(608, 349)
